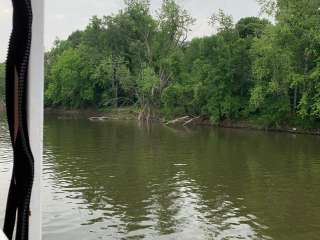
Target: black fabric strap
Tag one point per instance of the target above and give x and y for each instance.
(18, 203)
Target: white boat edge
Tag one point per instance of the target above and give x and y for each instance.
(2, 236)
(35, 113)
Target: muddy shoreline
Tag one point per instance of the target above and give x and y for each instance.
(132, 114)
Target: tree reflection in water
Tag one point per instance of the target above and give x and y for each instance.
(120, 180)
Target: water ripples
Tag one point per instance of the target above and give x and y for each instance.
(117, 180)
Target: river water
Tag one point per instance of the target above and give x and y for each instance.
(122, 180)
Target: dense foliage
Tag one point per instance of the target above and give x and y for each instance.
(249, 70)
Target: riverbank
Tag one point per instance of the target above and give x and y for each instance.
(116, 114)
(130, 113)
(257, 127)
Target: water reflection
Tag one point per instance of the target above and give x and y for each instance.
(5, 165)
(121, 180)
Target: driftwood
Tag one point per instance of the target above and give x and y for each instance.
(184, 121)
(178, 120)
(94, 119)
(191, 120)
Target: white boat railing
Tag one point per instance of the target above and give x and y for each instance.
(2, 236)
(35, 112)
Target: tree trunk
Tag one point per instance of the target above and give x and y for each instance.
(114, 80)
(295, 99)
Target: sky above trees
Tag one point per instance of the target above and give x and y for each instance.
(64, 17)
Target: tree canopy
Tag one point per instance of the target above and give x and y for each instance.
(248, 70)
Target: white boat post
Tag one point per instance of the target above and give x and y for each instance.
(35, 113)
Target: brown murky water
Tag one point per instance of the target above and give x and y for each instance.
(121, 180)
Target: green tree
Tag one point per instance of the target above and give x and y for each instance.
(70, 82)
(249, 70)
(293, 44)
(113, 84)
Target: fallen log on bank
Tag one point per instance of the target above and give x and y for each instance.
(184, 121)
(178, 120)
(104, 118)
(191, 120)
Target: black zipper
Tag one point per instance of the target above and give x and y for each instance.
(20, 61)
